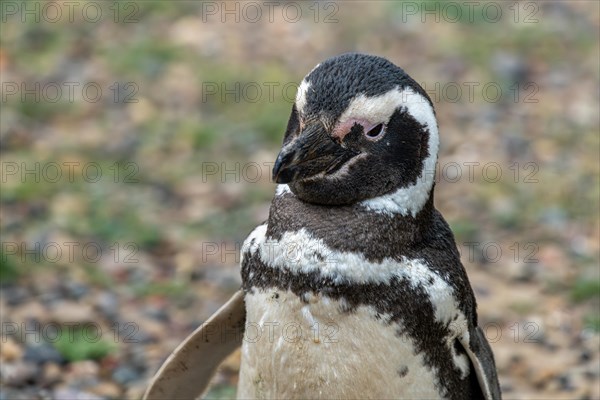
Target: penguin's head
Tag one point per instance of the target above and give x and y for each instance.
(360, 129)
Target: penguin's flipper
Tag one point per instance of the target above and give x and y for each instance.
(187, 371)
(482, 358)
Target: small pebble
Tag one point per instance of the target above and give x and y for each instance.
(108, 304)
(124, 374)
(18, 373)
(75, 290)
(69, 312)
(15, 295)
(158, 313)
(74, 394)
(52, 374)
(565, 383)
(108, 390)
(11, 351)
(43, 352)
(137, 357)
(135, 391)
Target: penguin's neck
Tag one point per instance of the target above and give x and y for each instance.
(353, 228)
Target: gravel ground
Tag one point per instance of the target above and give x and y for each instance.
(103, 274)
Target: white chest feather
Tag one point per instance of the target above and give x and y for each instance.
(296, 350)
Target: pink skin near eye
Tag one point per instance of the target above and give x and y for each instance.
(342, 129)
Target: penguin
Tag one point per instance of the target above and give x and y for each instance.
(353, 287)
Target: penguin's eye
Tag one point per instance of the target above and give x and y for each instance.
(376, 132)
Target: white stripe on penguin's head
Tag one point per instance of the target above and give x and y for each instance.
(379, 109)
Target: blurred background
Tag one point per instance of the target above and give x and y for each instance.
(137, 139)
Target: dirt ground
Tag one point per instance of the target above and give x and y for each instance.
(137, 138)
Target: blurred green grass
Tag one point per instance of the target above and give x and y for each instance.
(80, 345)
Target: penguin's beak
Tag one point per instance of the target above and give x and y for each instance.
(310, 153)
